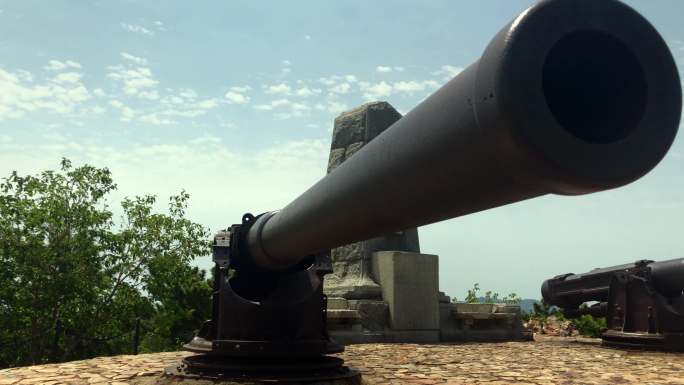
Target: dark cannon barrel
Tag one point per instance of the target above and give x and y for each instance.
(571, 97)
(569, 291)
(668, 277)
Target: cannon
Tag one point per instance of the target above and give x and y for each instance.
(643, 302)
(571, 97)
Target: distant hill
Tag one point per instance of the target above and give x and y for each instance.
(527, 305)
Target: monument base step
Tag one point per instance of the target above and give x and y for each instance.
(349, 337)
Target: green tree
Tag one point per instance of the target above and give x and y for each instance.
(490, 297)
(472, 295)
(73, 281)
(589, 326)
(543, 310)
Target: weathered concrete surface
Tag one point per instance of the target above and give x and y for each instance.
(410, 286)
(481, 322)
(548, 360)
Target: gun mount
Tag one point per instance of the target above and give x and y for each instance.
(571, 97)
(643, 302)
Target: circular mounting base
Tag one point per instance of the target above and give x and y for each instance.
(265, 349)
(650, 341)
(321, 368)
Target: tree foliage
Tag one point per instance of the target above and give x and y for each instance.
(73, 280)
(474, 296)
(590, 326)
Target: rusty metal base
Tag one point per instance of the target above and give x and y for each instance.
(673, 342)
(323, 368)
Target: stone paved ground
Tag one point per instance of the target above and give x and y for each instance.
(546, 361)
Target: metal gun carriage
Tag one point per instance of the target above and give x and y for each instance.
(571, 97)
(643, 302)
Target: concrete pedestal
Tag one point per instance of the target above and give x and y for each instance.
(410, 287)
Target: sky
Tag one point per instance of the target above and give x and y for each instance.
(234, 102)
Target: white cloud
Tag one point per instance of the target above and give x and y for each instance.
(240, 89)
(56, 65)
(99, 92)
(134, 80)
(236, 97)
(159, 25)
(207, 104)
(204, 140)
(188, 113)
(20, 94)
(449, 70)
(285, 108)
(174, 100)
(72, 64)
(334, 79)
(306, 91)
(149, 95)
(136, 29)
(156, 120)
(78, 93)
(67, 77)
(127, 113)
(329, 81)
(341, 88)
(350, 78)
(385, 69)
(287, 68)
(414, 86)
(97, 110)
(187, 109)
(375, 91)
(188, 93)
(336, 107)
(281, 88)
(332, 107)
(135, 59)
(24, 76)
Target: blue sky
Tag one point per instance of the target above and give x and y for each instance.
(234, 102)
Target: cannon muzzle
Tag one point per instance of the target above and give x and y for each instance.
(571, 97)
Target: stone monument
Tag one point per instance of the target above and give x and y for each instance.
(353, 274)
(384, 289)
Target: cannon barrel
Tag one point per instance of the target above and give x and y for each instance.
(642, 302)
(569, 291)
(571, 97)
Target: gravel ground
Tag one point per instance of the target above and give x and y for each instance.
(547, 360)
